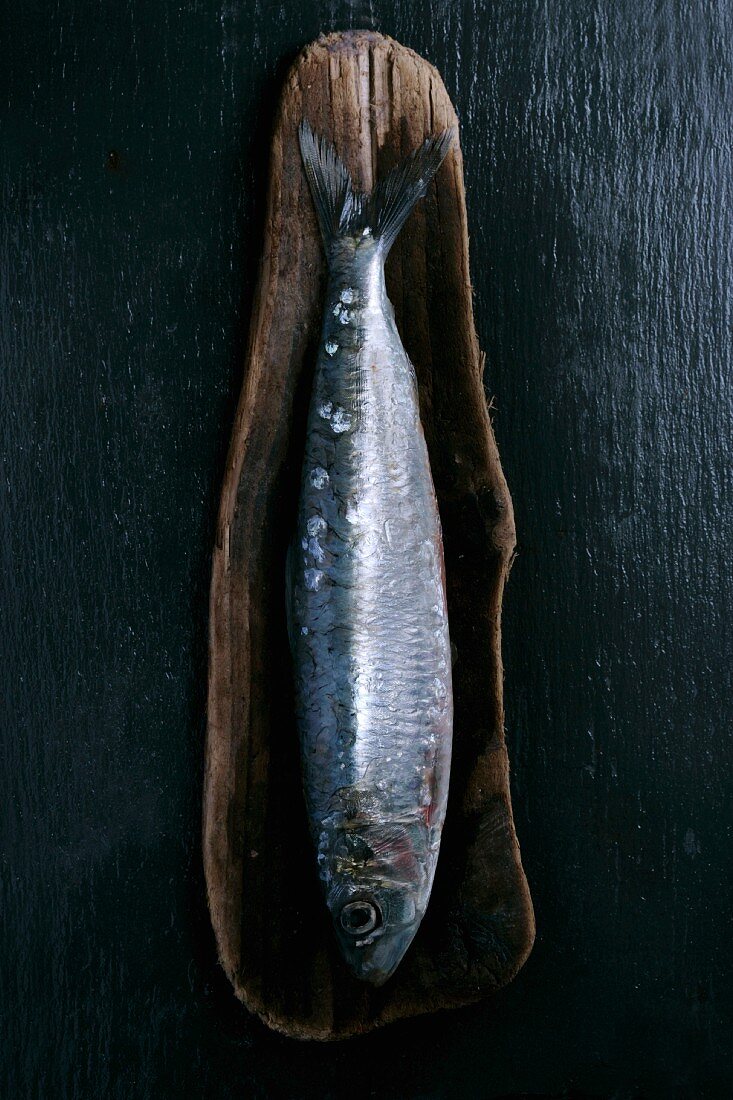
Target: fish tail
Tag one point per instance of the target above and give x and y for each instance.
(329, 182)
(344, 212)
(393, 199)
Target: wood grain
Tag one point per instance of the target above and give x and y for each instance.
(376, 100)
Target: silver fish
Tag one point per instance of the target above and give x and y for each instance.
(366, 586)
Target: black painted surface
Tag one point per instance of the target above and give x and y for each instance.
(597, 140)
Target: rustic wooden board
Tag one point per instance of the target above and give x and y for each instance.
(376, 100)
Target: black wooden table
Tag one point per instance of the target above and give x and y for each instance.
(597, 144)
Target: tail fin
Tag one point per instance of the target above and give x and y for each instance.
(344, 212)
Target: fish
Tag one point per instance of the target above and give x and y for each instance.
(366, 593)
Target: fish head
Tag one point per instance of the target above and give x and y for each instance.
(377, 890)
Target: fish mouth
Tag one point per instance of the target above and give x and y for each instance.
(371, 948)
(376, 959)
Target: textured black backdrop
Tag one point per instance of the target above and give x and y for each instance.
(597, 140)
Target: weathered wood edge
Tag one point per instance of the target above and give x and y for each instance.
(222, 873)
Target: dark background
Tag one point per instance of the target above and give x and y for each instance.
(597, 144)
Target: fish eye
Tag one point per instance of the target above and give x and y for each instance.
(360, 917)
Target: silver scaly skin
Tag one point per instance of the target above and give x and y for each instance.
(367, 607)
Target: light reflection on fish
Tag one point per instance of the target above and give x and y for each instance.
(367, 609)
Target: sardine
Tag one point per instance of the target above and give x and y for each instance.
(366, 584)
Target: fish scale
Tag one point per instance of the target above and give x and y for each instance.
(367, 608)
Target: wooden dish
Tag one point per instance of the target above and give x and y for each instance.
(376, 100)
